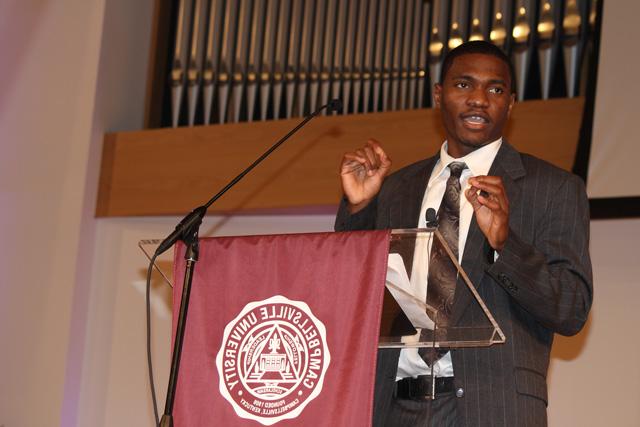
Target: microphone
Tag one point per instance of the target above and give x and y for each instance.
(190, 223)
(334, 105)
(431, 217)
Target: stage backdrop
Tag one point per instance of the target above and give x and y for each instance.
(281, 329)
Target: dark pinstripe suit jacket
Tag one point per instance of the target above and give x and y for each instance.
(540, 284)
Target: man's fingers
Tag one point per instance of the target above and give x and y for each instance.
(498, 197)
(351, 162)
(472, 197)
(489, 187)
(490, 203)
(377, 160)
(353, 158)
(351, 167)
(477, 199)
(491, 190)
(491, 208)
(372, 157)
(361, 153)
(486, 179)
(385, 161)
(373, 143)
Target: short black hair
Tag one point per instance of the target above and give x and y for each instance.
(478, 47)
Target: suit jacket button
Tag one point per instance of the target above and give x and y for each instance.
(504, 279)
(459, 392)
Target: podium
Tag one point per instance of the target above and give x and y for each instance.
(397, 328)
(285, 327)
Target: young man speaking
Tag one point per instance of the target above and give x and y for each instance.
(520, 228)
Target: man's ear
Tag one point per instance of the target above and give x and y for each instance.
(437, 94)
(512, 102)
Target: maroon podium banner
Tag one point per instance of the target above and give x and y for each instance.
(281, 329)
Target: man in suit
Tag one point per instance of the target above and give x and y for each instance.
(522, 231)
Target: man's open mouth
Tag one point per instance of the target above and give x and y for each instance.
(475, 119)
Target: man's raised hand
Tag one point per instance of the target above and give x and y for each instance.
(489, 199)
(362, 173)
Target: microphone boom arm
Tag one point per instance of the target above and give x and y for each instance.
(195, 217)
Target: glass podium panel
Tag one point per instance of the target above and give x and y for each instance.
(164, 263)
(407, 319)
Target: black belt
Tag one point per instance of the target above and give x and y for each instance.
(420, 388)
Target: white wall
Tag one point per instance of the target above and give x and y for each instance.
(613, 170)
(71, 306)
(594, 377)
(48, 67)
(119, 105)
(54, 110)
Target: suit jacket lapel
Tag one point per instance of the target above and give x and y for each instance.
(507, 165)
(407, 200)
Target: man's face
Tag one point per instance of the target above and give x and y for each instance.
(475, 100)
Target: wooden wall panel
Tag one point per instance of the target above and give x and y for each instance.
(170, 171)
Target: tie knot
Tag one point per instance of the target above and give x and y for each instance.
(456, 168)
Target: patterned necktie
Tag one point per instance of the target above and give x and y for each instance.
(441, 280)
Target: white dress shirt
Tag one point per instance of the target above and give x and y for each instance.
(478, 163)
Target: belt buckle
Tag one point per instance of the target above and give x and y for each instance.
(426, 388)
(418, 389)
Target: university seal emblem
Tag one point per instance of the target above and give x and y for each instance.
(272, 360)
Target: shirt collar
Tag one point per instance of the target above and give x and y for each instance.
(478, 161)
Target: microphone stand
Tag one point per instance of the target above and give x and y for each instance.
(187, 231)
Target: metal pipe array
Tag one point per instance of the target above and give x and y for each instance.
(246, 60)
